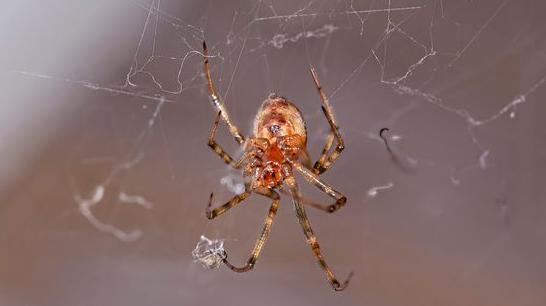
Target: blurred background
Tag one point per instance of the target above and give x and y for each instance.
(105, 172)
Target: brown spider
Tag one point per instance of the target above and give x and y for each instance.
(277, 147)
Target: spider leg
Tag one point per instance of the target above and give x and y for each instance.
(219, 150)
(313, 178)
(311, 238)
(213, 213)
(274, 196)
(324, 153)
(306, 201)
(325, 161)
(217, 101)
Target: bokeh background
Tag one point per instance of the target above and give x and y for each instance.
(105, 172)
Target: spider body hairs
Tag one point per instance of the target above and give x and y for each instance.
(277, 149)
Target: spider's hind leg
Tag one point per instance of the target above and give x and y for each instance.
(265, 231)
(312, 239)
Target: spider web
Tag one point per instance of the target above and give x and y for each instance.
(457, 83)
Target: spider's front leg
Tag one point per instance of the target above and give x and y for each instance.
(213, 213)
(217, 101)
(220, 151)
(325, 161)
(251, 151)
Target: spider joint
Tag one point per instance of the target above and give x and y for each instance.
(209, 214)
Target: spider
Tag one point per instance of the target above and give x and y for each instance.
(277, 147)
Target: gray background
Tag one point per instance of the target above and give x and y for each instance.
(461, 85)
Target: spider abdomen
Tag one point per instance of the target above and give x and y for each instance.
(279, 117)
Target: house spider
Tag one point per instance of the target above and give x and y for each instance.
(277, 147)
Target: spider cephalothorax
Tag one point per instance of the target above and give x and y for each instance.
(276, 149)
